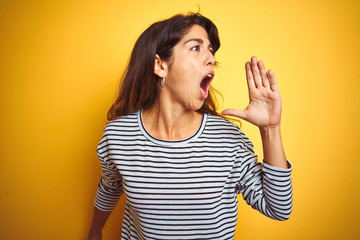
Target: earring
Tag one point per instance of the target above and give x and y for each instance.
(162, 82)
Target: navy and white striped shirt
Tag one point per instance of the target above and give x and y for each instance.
(186, 189)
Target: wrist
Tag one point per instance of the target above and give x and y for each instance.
(95, 236)
(268, 132)
(272, 147)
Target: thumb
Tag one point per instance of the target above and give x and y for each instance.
(235, 113)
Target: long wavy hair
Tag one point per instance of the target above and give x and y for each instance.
(139, 86)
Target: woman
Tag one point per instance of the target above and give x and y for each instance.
(178, 162)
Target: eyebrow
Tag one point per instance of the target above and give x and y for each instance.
(197, 40)
(194, 39)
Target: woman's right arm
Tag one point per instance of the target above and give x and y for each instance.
(108, 192)
(99, 219)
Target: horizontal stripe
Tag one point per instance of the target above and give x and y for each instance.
(186, 189)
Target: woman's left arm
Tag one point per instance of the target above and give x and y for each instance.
(264, 111)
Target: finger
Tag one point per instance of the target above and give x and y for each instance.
(256, 72)
(249, 76)
(273, 84)
(264, 77)
(235, 113)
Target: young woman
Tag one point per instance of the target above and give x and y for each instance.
(178, 162)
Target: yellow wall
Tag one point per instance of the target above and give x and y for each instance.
(61, 60)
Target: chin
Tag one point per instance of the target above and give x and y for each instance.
(196, 106)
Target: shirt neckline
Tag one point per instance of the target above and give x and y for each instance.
(171, 142)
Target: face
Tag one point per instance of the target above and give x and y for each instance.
(191, 70)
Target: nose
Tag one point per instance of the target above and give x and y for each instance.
(210, 59)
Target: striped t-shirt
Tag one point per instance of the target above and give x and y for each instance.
(186, 189)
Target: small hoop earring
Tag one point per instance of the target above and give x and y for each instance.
(162, 82)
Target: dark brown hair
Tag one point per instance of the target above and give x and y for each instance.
(139, 86)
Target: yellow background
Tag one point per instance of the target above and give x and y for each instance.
(59, 68)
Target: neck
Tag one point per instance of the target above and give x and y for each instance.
(171, 121)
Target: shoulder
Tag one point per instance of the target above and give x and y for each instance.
(123, 122)
(117, 132)
(225, 128)
(219, 122)
(122, 128)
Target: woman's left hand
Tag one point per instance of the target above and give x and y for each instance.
(264, 109)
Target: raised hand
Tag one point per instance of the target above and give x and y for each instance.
(264, 109)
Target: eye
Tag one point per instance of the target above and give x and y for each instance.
(195, 48)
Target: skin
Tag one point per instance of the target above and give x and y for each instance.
(264, 111)
(174, 116)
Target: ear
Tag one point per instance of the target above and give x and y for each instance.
(160, 67)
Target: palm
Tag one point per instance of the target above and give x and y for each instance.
(264, 109)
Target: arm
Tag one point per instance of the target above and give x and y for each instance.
(267, 188)
(99, 219)
(107, 195)
(108, 192)
(264, 111)
(272, 147)
(263, 186)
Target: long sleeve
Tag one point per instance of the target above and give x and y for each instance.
(110, 186)
(265, 187)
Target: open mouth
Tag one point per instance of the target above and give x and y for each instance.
(205, 85)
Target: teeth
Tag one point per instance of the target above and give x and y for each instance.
(209, 75)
